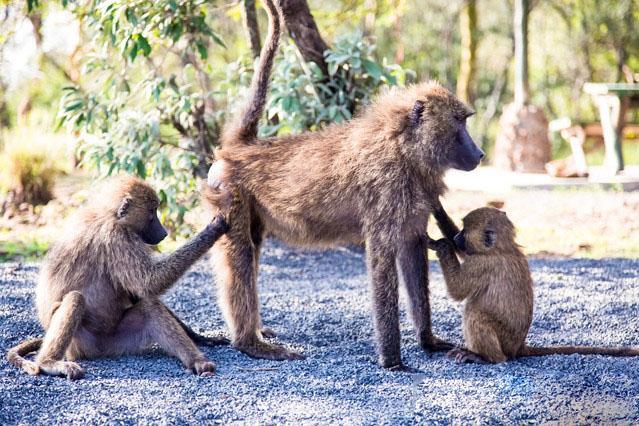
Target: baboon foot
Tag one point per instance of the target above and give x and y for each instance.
(217, 340)
(203, 367)
(268, 333)
(462, 356)
(264, 350)
(30, 367)
(435, 344)
(403, 368)
(68, 369)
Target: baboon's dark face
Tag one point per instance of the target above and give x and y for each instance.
(486, 230)
(439, 123)
(465, 154)
(153, 232)
(139, 214)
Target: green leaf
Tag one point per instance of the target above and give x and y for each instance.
(201, 48)
(73, 106)
(144, 45)
(373, 69)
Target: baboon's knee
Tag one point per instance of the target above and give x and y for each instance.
(75, 300)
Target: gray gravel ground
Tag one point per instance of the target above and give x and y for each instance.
(318, 302)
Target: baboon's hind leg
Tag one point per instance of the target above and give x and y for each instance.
(257, 236)
(481, 337)
(412, 263)
(151, 322)
(198, 338)
(235, 262)
(63, 326)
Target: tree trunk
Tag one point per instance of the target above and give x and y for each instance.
(303, 30)
(521, 52)
(522, 141)
(249, 17)
(468, 30)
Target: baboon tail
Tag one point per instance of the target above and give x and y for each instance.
(244, 127)
(583, 350)
(16, 354)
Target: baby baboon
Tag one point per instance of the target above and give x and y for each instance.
(495, 281)
(98, 293)
(373, 180)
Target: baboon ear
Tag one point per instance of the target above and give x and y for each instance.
(489, 237)
(415, 116)
(124, 207)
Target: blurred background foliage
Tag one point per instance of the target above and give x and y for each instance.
(145, 86)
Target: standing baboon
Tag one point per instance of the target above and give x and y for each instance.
(373, 180)
(98, 293)
(495, 281)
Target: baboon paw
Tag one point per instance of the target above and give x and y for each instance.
(74, 371)
(218, 340)
(30, 367)
(403, 368)
(204, 368)
(463, 356)
(435, 344)
(268, 333)
(68, 369)
(264, 350)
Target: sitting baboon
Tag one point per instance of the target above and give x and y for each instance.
(372, 180)
(98, 292)
(495, 282)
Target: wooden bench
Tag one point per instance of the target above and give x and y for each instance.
(577, 134)
(613, 101)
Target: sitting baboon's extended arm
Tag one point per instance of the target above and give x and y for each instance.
(155, 276)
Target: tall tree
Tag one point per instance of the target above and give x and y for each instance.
(249, 16)
(521, 52)
(303, 30)
(468, 30)
(522, 143)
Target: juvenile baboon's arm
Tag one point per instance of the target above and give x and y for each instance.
(458, 287)
(444, 222)
(154, 277)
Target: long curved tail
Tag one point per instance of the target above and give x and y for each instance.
(16, 354)
(243, 129)
(583, 350)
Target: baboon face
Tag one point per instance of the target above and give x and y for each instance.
(486, 230)
(138, 212)
(440, 119)
(465, 155)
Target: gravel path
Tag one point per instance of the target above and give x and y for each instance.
(318, 302)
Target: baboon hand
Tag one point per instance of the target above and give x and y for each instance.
(440, 245)
(218, 225)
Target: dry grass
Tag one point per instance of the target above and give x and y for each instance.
(30, 162)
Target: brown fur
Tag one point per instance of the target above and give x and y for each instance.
(98, 292)
(374, 179)
(494, 280)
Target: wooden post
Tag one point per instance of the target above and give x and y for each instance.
(612, 111)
